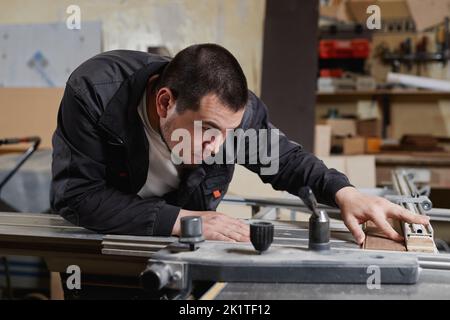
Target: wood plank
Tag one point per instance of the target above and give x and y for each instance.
(56, 286)
(375, 240)
(214, 291)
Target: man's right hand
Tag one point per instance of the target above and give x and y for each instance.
(217, 226)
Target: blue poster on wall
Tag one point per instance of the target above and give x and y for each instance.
(44, 55)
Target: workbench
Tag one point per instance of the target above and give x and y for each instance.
(433, 285)
(62, 244)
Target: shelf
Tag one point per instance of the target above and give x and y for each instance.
(417, 158)
(392, 95)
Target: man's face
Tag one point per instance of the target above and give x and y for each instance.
(206, 127)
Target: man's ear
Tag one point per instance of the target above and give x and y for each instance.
(164, 102)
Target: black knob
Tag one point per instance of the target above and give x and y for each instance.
(156, 276)
(191, 231)
(261, 235)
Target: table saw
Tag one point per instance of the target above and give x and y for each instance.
(290, 268)
(62, 244)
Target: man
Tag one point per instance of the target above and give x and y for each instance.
(113, 165)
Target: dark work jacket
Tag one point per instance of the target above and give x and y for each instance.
(100, 154)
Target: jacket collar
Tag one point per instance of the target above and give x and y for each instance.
(120, 115)
(121, 120)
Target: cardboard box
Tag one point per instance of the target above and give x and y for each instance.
(373, 145)
(335, 10)
(428, 13)
(322, 140)
(349, 145)
(341, 127)
(369, 128)
(360, 170)
(29, 112)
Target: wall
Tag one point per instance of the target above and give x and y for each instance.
(128, 24)
(21, 114)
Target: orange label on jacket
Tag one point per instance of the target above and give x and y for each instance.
(216, 194)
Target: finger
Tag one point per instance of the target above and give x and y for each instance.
(239, 222)
(408, 216)
(242, 228)
(237, 236)
(245, 234)
(243, 231)
(239, 226)
(354, 227)
(224, 222)
(236, 225)
(386, 228)
(219, 237)
(231, 220)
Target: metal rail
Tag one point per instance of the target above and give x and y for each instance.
(259, 204)
(416, 235)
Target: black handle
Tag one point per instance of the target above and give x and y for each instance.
(32, 139)
(307, 196)
(36, 141)
(319, 223)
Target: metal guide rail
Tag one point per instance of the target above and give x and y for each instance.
(417, 237)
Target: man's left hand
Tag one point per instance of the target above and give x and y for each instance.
(357, 208)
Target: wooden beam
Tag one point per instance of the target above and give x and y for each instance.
(376, 240)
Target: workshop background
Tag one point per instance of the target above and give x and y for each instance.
(364, 97)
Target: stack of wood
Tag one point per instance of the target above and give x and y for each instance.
(415, 142)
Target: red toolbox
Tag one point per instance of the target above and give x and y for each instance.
(331, 73)
(344, 49)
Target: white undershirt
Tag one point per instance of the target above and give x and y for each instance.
(162, 176)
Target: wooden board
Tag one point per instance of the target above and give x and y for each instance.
(375, 240)
(322, 140)
(360, 169)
